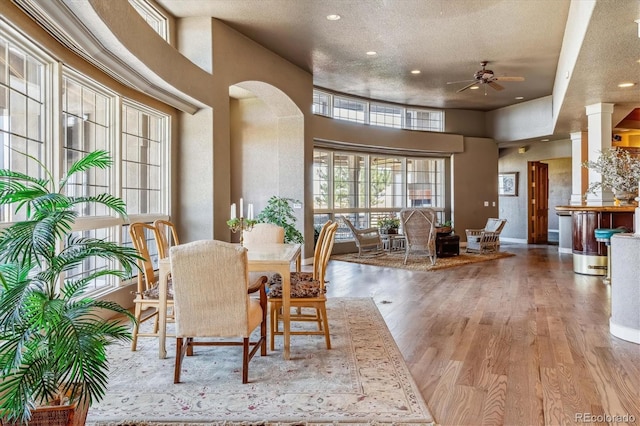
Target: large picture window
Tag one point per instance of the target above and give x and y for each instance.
(92, 117)
(367, 187)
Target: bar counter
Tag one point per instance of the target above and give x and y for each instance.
(590, 256)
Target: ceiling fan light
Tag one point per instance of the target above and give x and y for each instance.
(474, 87)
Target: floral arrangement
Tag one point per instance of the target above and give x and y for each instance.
(619, 169)
(389, 223)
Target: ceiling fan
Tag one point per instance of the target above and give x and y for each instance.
(485, 76)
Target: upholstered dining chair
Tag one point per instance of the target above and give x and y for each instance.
(419, 230)
(166, 236)
(487, 239)
(366, 239)
(211, 300)
(147, 295)
(307, 291)
(262, 233)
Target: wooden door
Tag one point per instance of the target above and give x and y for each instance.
(538, 193)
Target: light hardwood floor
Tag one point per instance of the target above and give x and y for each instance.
(516, 341)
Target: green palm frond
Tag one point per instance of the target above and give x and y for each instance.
(13, 179)
(96, 159)
(114, 203)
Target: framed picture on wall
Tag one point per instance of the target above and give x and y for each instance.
(508, 184)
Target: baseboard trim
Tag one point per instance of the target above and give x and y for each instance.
(567, 250)
(513, 240)
(625, 333)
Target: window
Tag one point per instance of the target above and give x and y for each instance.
(152, 16)
(22, 112)
(377, 114)
(144, 140)
(386, 116)
(349, 109)
(419, 119)
(367, 187)
(92, 117)
(321, 103)
(87, 125)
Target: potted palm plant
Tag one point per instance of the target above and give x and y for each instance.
(52, 337)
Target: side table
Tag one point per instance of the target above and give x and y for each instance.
(447, 245)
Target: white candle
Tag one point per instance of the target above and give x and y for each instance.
(241, 208)
(250, 211)
(233, 210)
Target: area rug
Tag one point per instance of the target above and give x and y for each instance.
(362, 380)
(417, 262)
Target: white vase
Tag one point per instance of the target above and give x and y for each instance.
(625, 197)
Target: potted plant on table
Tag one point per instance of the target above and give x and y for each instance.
(52, 337)
(279, 211)
(620, 173)
(389, 225)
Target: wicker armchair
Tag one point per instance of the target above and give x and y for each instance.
(366, 239)
(420, 232)
(487, 239)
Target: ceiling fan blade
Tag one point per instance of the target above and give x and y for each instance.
(495, 85)
(460, 81)
(509, 78)
(467, 86)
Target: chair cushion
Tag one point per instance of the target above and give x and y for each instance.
(154, 292)
(302, 285)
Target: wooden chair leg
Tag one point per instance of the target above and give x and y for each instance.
(274, 325)
(327, 336)
(189, 346)
(136, 327)
(245, 360)
(179, 355)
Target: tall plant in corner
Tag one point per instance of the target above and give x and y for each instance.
(52, 338)
(279, 211)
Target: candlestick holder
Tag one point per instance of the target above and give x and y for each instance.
(239, 225)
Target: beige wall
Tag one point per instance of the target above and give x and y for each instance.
(514, 209)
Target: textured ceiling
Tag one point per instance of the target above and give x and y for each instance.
(446, 40)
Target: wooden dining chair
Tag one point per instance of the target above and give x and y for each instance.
(307, 291)
(147, 295)
(212, 300)
(166, 236)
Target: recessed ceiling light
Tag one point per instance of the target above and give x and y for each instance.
(544, 140)
(415, 71)
(474, 87)
(372, 53)
(626, 84)
(333, 17)
(519, 98)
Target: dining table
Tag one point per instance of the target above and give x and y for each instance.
(268, 257)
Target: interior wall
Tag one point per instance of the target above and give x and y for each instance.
(466, 122)
(514, 209)
(475, 181)
(263, 148)
(559, 192)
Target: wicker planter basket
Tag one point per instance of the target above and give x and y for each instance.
(57, 415)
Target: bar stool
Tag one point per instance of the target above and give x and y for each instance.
(603, 235)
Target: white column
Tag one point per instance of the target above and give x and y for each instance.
(578, 172)
(599, 122)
